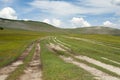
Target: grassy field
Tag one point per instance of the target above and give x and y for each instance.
(105, 39)
(55, 68)
(103, 48)
(13, 43)
(95, 50)
(20, 70)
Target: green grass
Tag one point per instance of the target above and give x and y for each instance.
(94, 51)
(55, 68)
(106, 39)
(14, 42)
(19, 71)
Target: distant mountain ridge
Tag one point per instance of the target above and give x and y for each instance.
(44, 27)
(98, 30)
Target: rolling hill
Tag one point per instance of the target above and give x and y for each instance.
(44, 27)
(28, 25)
(98, 30)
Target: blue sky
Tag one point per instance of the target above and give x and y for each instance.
(64, 13)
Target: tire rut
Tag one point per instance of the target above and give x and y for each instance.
(99, 75)
(111, 68)
(34, 69)
(5, 71)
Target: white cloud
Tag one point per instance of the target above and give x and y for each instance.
(8, 13)
(66, 9)
(116, 2)
(80, 22)
(85, 7)
(109, 24)
(47, 21)
(55, 22)
(56, 7)
(103, 6)
(26, 19)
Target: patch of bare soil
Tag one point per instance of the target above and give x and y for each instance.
(61, 43)
(98, 63)
(5, 71)
(99, 75)
(33, 71)
(56, 47)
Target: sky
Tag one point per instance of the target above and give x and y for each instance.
(64, 13)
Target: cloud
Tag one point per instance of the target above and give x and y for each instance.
(8, 13)
(65, 10)
(55, 22)
(110, 24)
(116, 2)
(80, 22)
(84, 7)
(56, 7)
(47, 21)
(103, 6)
(26, 19)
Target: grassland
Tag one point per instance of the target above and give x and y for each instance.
(95, 50)
(103, 48)
(55, 68)
(14, 42)
(77, 47)
(20, 70)
(105, 39)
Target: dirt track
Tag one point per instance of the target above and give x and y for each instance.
(5, 71)
(33, 70)
(101, 64)
(99, 74)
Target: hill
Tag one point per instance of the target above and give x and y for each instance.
(28, 25)
(44, 27)
(97, 30)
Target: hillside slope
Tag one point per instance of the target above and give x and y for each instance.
(97, 30)
(28, 25)
(44, 27)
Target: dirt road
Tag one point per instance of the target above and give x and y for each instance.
(5, 71)
(34, 70)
